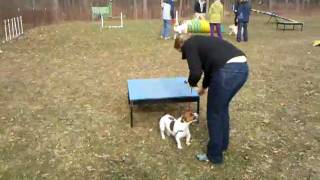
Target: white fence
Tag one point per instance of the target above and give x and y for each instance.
(13, 28)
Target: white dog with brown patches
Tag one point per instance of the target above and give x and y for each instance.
(178, 128)
(233, 30)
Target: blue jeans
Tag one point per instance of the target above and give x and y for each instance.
(166, 28)
(225, 83)
(244, 26)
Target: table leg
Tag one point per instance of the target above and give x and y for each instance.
(130, 106)
(131, 115)
(198, 110)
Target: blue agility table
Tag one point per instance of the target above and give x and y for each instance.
(144, 91)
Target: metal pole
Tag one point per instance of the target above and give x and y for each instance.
(12, 28)
(101, 20)
(18, 26)
(9, 28)
(15, 27)
(121, 20)
(21, 24)
(5, 29)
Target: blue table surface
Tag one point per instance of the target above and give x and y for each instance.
(160, 88)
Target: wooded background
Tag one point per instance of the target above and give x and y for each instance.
(48, 11)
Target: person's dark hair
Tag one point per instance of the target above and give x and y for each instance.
(179, 41)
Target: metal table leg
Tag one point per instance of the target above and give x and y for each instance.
(131, 115)
(198, 110)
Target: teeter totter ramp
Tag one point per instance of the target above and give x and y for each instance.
(281, 21)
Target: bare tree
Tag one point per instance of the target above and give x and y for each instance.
(145, 9)
(55, 8)
(135, 9)
(305, 3)
(208, 6)
(270, 5)
(180, 8)
(298, 6)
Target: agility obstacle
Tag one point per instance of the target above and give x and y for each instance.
(105, 12)
(13, 28)
(160, 90)
(113, 26)
(280, 20)
(193, 26)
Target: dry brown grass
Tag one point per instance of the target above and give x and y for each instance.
(64, 112)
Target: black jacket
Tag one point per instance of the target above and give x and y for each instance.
(206, 54)
(197, 8)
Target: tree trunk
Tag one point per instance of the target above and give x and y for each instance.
(270, 5)
(135, 9)
(180, 8)
(298, 6)
(55, 8)
(33, 4)
(145, 9)
(208, 6)
(287, 4)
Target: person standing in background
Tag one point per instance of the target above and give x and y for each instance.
(243, 14)
(200, 9)
(167, 18)
(215, 17)
(235, 10)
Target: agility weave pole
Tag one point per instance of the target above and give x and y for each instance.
(13, 28)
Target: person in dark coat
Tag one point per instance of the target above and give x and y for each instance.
(243, 14)
(225, 71)
(200, 9)
(235, 10)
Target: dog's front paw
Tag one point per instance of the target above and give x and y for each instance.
(179, 147)
(188, 143)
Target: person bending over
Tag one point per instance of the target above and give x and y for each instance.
(225, 71)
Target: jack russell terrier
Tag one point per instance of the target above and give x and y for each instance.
(178, 128)
(233, 30)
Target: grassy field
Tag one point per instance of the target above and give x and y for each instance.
(64, 112)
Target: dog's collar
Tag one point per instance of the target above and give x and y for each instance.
(171, 128)
(178, 132)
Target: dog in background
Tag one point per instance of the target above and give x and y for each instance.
(178, 128)
(233, 30)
